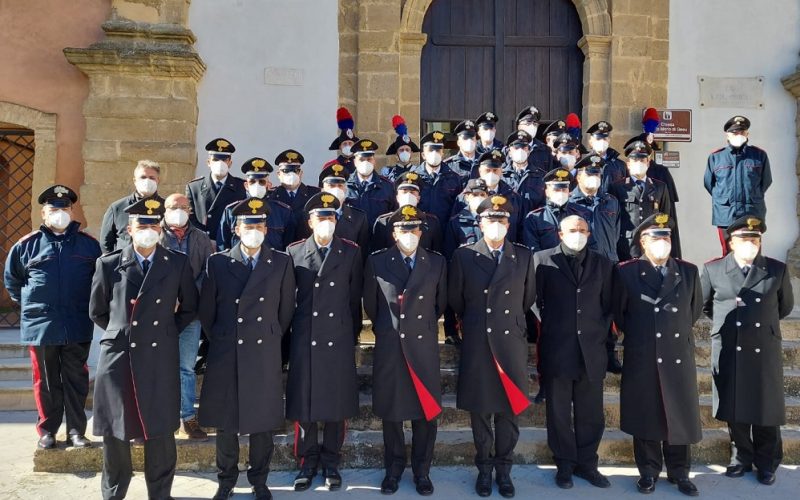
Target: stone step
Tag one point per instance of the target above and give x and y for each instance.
(16, 395)
(15, 369)
(364, 449)
(9, 344)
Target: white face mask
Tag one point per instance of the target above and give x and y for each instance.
(600, 147)
(530, 129)
(252, 238)
(637, 168)
(346, 151)
(660, 249)
(256, 190)
(592, 182)
(290, 179)
(559, 198)
(337, 192)
(736, 140)
(473, 202)
(146, 187)
(408, 242)
(519, 155)
(567, 161)
(746, 251)
(404, 156)
(145, 238)
(433, 158)
(407, 199)
(324, 229)
(58, 220)
(468, 145)
(364, 168)
(491, 179)
(495, 231)
(176, 217)
(575, 241)
(219, 168)
(486, 135)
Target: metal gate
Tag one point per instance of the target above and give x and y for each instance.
(16, 180)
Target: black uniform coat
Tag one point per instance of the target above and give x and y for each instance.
(322, 384)
(245, 313)
(404, 308)
(137, 387)
(637, 205)
(575, 314)
(431, 238)
(351, 224)
(491, 300)
(746, 338)
(208, 205)
(659, 399)
(303, 193)
(114, 227)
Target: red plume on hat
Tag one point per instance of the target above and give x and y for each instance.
(344, 119)
(573, 124)
(650, 120)
(399, 125)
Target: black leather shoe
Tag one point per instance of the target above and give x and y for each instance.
(424, 485)
(333, 480)
(738, 470)
(540, 397)
(505, 486)
(593, 477)
(389, 485)
(564, 479)
(47, 442)
(613, 366)
(262, 493)
(483, 485)
(766, 477)
(685, 486)
(452, 340)
(78, 441)
(223, 493)
(303, 480)
(646, 484)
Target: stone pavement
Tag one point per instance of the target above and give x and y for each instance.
(18, 481)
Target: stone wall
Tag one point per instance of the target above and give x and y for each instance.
(792, 84)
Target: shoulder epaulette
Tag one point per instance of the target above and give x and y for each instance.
(197, 179)
(350, 242)
(279, 251)
(87, 234)
(376, 252)
(464, 245)
(718, 150)
(299, 242)
(520, 245)
(626, 262)
(356, 209)
(279, 203)
(713, 260)
(433, 252)
(537, 210)
(231, 205)
(29, 235)
(111, 254)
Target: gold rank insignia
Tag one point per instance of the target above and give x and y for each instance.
(561, 124)
(562, 174)
(752, 222)
(411, 176)
(152, 205)
(291, 156)
(258, 164)
(602, 125)
(366, 144)
(326, 200)
(662, 219)
(255, 204)
(60, 191)
(408, 212)
(222, 144)
(438, 136)
(337, 169)
(497, 201)
(490, 116)
(469, 124)
(738, 119)
(497, 154)
(595, 160)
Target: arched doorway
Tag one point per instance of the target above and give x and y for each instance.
(500, 55)
(16, 182)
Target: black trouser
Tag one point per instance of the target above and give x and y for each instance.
(307, 449)
(423, 437)
(575, 421)
(450, 323)
(60, 385)
(258, 461)
(502, 440)
(756, 445)
(159, 467)
(611, 343)
(651, 455)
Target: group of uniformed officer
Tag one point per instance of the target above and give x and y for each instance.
(530, 235)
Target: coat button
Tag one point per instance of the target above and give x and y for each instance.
(330, 344)
(507, 311)
(677, 335)
(656, 309)
(313, 342)
(578, 290)
(488, 330)
(421, 297)
(331, 283)
(738, 299)
(155, 323)
(236, 301)
(758, 299)
(738, 323)
(402, 335)
(241, 341)
(578, 311)
(316, 285)
(133, 301)
(133, 344)
(154, 344)
(330, 315)
(758, 350)
(758, 325)
(158, 301)
(261, 299)
(135, 323)
(240, 320)
(678, 361)
(419, 337)
(258, 318)
(258, 341)
(402, 316)
(658, 335)
(315, 313)
(507, 332)
(488, 310)
(738, 348)
(507, 292)
(419, 316)
(486, 291)
(659, 360)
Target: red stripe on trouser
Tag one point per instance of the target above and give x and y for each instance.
(516, 397)
(296, 437)
(429, 405)
(721, 233)
(37, 387)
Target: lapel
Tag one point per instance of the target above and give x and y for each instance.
(671, 280)
(130, 268)
(734, 272)
(396, 265)
(236, 265)
(563, 265)
(312, 255)
(159, 268)
(508, 263)
(483, 258)
(419, 275)
(258, 276)
(650, 276)
(758, 271)
(332, 260)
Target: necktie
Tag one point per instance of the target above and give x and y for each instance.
(145, 266)
(291, 195)
(660, 270)
(324, 252)
(496, 255)
(409, 263)
(364, 185)
(218, 186)
(745, 270)
(250, 262)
